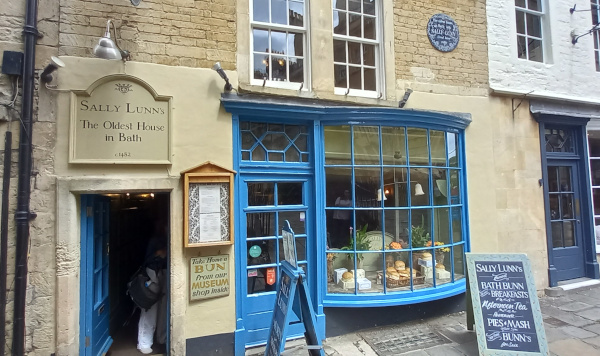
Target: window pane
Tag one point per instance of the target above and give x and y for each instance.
(440, 187)
(289, 194)
(569, 233)
(339, 4)
(419, 178)
(418, 147)
(438, 147)
(261, 70)
(535, 51)
(456, 223)
(296, 13)
(248, 140)
(454, 187)
(594, 143)
(260, 11)
(452, 154)
(564, 175)
(354, 5)
(295, 44)
(420, 231)
(370, 80)
(366, 145)
(369, 55)
(554, 206)
(300, 249)
(366, 183)
(259, 153)
(396, 224)
(595, 171)
(520, 17)
(337, 145)
(520, 3)
(393, 145)
(260, 224)
(369, 7)
(370, 27)
(278, 42)
(339, 51)
(395, 187)
(292, 155)
(338, 187)
(522, 47)
(340, 76)
(257, 281)
(339, 22)
(369, 220)
(278, 70)
(260, 194)
(275, 141)
(354, 22)
(459, 262)
(264, 250)
(441, 225)
(535, 5)
(567, 206)
(296, 219)
(557, 234)
(261, 40)
(296, 70)
(534, 25)
(355, 77)
(354, 53)
(279, 12)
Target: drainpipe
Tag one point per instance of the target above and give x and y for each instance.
(23, 215)
(4, 233)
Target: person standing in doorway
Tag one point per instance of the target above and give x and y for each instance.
(341, 219)
(154, 319)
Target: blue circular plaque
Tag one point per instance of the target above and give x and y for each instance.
(255, 251)
(443, 32)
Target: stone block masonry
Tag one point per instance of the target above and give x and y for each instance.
(417, 60)
(173, 32)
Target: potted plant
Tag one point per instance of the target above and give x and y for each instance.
(362, 244)
(419, 238)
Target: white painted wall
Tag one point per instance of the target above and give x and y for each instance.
(569, 71)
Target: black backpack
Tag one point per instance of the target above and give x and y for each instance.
(143, 293)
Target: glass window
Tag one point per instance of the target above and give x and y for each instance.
(393, 208)
(529, 17)
(279, 40)
(594, 154)
(595, 18)
(356, 47)
(262, 142)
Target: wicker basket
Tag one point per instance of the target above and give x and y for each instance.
(403, 281)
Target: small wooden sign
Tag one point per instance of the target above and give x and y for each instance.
(508, 319)
(289, 244)
(209, 277)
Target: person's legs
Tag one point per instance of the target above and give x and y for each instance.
(161, 318)
(146, 327)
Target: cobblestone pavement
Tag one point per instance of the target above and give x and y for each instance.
(571, 321)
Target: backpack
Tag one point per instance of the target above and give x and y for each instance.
(142, 290)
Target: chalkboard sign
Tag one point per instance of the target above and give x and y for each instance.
(443, 32)
(507, 313)
(292, 291)
(289, 244)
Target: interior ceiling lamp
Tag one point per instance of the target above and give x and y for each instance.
(107, 48)
(419, 189)
(55, 63)
(218, 69)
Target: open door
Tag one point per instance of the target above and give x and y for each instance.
(94, 311)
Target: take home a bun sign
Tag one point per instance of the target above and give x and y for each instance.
(120, 119)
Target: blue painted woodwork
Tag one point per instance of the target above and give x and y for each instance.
(316, 115)
(580, 156)
(94, 306)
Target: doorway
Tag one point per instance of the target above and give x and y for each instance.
(115, 233)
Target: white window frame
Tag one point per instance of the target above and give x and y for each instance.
(595, 8)
(305, 85)
(379, 63)
(593, 125)
(527, 36)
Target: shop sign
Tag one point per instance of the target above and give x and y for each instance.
(443, 32)
(209, 277)
(120, 119)
(289, 245)
(507, 313)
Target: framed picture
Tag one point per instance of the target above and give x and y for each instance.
(208, 205)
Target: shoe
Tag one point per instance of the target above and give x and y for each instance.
(146, 350)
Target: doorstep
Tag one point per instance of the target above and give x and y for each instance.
(571, 285)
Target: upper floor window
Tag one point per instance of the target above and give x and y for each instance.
(279, 41)
(595, 18)
(356, 47)
(529, 15)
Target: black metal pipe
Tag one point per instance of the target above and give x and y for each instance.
(22, 215)
(6, 172)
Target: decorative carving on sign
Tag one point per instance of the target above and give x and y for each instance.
(443, 32)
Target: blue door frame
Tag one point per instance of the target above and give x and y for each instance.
(579, 161)
(94, 338)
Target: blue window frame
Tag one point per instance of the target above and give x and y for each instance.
(385, 153)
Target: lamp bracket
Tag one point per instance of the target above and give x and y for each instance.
(574, 37)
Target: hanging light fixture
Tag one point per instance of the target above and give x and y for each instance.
(107, 48)
(419, 189)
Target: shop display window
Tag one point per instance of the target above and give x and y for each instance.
(393, 209)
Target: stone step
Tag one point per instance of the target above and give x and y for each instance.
(572, 285)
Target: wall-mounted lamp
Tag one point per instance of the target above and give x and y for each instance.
(575, 37)
(419, 189)
(218, 69)
(407, 93)
(55, 63)
(107, 48)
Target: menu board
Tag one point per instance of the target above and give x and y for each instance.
(289, 245)
(505, 305)
(282, 306)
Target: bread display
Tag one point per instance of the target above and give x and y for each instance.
(347, 277)
(426, 256)
(399, 265)
(440, 266)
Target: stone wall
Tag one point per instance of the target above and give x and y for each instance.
(417, 60)
(172, 32)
